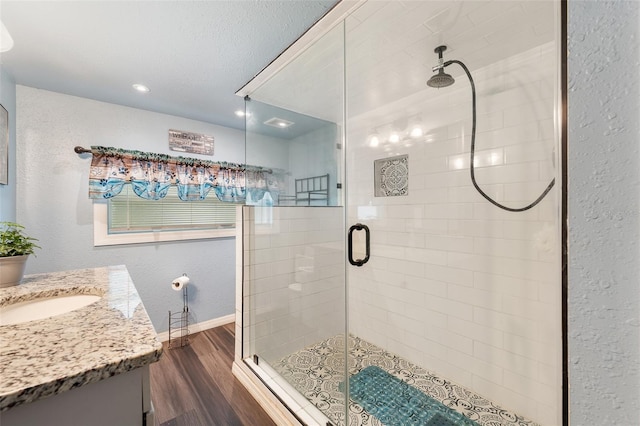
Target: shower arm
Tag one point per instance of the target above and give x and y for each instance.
(441, 62)
(441, 66)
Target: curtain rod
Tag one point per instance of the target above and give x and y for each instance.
(81, 150)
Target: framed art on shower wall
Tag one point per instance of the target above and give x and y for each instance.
(4, 146)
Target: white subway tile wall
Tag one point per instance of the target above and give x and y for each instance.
(294, 278)
(455, 284)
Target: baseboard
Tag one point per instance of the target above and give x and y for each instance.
(201, 326)
(274, 408)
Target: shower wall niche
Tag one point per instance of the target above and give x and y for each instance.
(459, 298)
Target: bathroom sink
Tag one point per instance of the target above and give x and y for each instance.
(42, 308)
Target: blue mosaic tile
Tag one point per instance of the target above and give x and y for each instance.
(395, 402)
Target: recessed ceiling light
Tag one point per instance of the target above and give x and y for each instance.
(241, 113)
(279, 122)
(141, 88)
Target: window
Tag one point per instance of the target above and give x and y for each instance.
(128, 219)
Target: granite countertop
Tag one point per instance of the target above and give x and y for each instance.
(46, 357)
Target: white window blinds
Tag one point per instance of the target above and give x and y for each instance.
(129, 213)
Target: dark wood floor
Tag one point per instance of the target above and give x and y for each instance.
(194, 386)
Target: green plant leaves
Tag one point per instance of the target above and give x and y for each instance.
(13, 241)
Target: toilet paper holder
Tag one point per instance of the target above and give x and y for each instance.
(179, 321)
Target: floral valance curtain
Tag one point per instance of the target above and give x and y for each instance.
(151, 175)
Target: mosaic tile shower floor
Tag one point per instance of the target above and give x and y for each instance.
(317, 371)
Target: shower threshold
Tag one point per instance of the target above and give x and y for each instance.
(317, 372)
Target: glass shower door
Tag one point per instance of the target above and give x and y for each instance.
(460, 300)
(294, 292)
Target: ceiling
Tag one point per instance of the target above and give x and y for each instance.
(193, 55)
(389, 54)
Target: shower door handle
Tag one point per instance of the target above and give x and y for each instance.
(358, 227)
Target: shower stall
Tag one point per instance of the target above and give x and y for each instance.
(404, 264)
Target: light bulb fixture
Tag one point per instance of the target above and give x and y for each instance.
(6, 41)
(416, 130)
(140, 88)
(374, 139)
(394, 137)
(401, 131)
(241, 113)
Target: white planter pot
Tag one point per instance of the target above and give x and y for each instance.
(12, 270)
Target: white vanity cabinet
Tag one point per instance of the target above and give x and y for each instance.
(122, 400)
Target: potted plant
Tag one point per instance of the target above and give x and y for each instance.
(15, 248)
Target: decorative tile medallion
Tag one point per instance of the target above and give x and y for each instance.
(318, 373)
(391, 176)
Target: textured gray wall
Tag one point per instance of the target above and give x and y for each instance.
(54, 205)
(604, 237)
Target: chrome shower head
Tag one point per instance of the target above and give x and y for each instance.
(441, 79)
